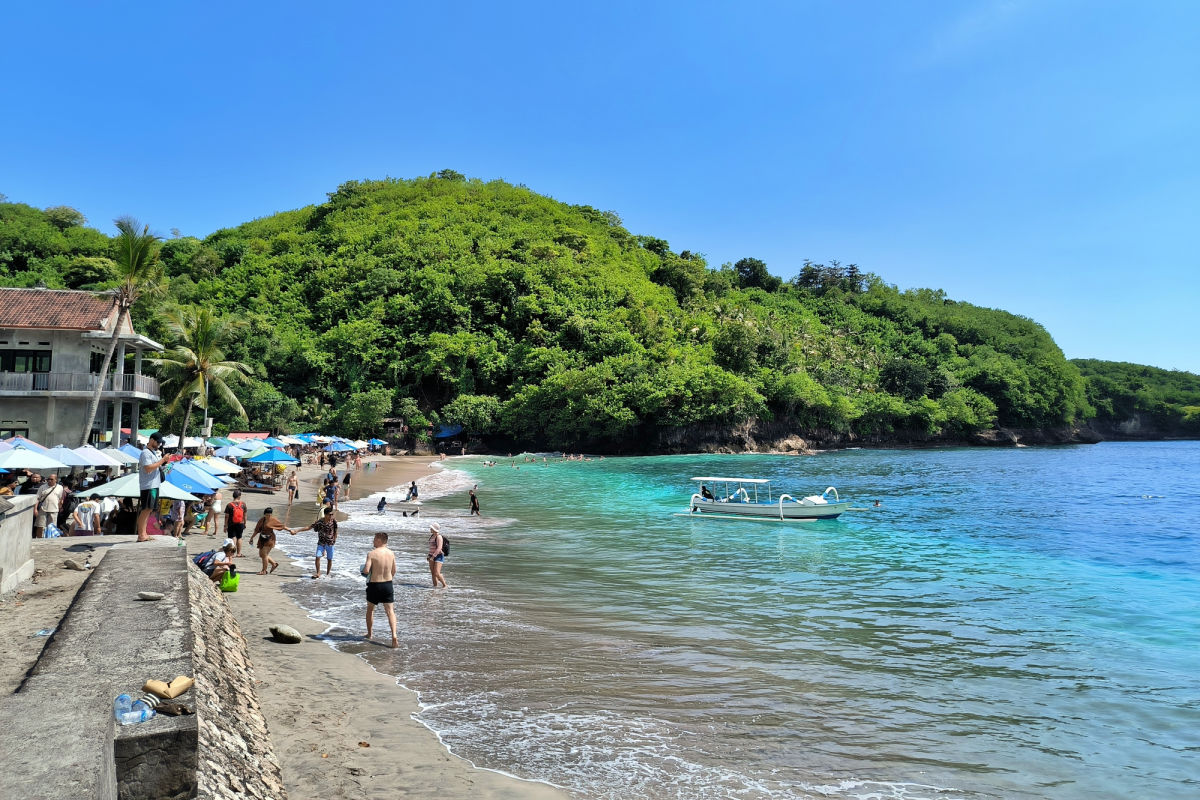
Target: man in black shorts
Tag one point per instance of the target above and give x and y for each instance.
(235, 520)
(149, 479)
(379, 571)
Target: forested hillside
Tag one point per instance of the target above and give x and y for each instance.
(1135, 400)
(455, 300)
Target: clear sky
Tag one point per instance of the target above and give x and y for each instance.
(1041, 156)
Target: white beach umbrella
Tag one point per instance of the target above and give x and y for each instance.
(21, 457)
(96, 458)
(68, 456)
(128, 486)
(220, 465)
(117, 455)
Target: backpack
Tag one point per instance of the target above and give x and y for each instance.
(445, 546)
(204, 559)
(237, 515)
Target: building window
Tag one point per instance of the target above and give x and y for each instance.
(25, 360)
(97, 362)
(8, 433)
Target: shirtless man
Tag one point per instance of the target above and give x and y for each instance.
(379, 571)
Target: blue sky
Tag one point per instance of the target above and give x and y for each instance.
(1040, 157)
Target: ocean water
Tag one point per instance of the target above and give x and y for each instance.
(1016, 623)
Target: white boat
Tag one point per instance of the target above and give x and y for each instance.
(742, 497)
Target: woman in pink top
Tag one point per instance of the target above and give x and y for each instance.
(436, 557)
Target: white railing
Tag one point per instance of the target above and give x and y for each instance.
(30, 382)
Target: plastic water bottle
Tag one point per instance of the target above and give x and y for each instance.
(122, 705)
(139, 712)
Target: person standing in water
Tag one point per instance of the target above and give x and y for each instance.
(327, 531)
(380, 570)
(436, 555)
(474, 501)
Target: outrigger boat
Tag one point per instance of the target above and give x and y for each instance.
(746, 502)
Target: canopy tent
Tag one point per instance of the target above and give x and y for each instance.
(68, 456)
(218, 466)
(118, 455)
(98, 458)
(28, 444)
(376, 442)
(338, 447)
(128, 486)
(21, 457)
(272, 457)
(447, 431)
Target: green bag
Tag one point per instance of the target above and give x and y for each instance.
(229, 582)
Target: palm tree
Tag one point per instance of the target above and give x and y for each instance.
(196, 366)
(139, 275)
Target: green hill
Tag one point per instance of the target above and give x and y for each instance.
(1136, 401)
(446, 299)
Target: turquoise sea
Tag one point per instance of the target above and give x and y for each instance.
(1018, 623)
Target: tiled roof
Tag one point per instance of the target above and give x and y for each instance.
(62, 309)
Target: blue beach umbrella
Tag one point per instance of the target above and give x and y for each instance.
(274, 442)
(338, 447)
(28, 444)
(376, 442)
(196, 474)
(231, 451)
(130, 450)
(187, 483)
(272, 457)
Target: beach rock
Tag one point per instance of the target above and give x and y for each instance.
(71, 563)
(286, 634)
(150, 596)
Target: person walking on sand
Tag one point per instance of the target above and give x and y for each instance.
(327, 529)
(149, 479)
(436, 555)
(474, 501)
(379, 570)
(235, 520)
(293, 487)
(265, 531)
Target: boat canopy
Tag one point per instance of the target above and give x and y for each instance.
(733, 480)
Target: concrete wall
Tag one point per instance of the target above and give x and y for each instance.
(51, 420)
(16, 530)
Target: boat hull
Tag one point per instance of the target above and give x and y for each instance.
(771, 510)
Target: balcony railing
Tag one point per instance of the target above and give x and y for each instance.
(31, 382)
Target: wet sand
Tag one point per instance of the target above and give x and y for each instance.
(321, 704)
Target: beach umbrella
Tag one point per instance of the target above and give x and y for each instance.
(128, 486)
(218, 466)
(187, 483)
(272, 457)
(21, 457)
(376, 442)
(229, 450)
(195, 474)
(338, 447)
(271, 441)
(98, 458)
(258, 450)
(118, 455)
(68, 456)
(130, 450)
(220, 441)
(28, 444)
(360, 444)
(5, 446)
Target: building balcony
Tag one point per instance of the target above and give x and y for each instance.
(77, 384)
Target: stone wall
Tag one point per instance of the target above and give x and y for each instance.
(16, 528)
(236, 759)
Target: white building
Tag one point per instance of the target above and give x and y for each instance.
(52, 344)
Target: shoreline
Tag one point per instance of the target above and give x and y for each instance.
(320, 703)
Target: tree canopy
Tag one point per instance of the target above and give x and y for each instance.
(488, 305)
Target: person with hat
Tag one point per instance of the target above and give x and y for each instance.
(149, 479)
(327, 528)
(437, 555)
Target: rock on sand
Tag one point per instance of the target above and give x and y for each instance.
(286, 634)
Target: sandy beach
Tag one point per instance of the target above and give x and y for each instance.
(339, 728)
